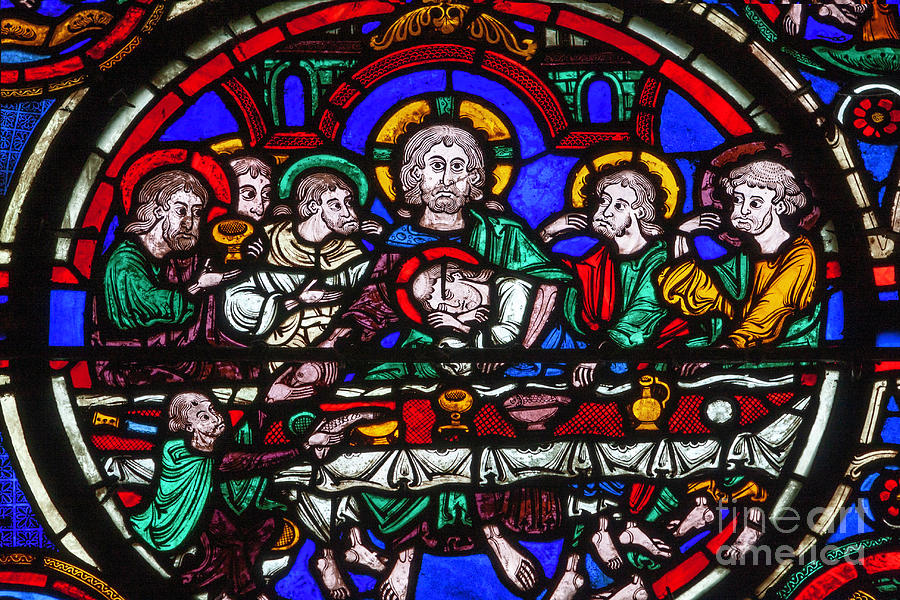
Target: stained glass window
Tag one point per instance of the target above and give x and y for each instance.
(449, 299)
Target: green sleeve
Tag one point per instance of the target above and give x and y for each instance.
(134, 297)
(734, 274)
(642, 311)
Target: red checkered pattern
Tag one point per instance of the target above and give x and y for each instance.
(752, 409)
(780, 398)
(147, 412)
(419, 418)
(594, 419)
(275, 435)
(686, 418)
(116, 442)
(489, 421)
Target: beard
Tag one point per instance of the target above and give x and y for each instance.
(444, 199)
(609, 231)
(343, 226)
(182, 240)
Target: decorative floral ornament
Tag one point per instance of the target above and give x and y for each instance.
(876, 118)
(886, 498)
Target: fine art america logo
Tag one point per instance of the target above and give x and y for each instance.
(753, 525)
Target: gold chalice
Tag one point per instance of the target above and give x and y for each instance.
(232, 233)
(456, 402)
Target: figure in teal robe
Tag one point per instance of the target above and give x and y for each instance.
(185, 484)
(135, 294)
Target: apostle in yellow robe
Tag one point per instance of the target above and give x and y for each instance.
(766, 295)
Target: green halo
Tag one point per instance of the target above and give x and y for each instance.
(328, 161)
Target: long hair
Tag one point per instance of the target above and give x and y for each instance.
(156, 192)
(309, 190)
(421, 142)
(770, 175)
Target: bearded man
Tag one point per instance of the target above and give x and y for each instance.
(287, 302)
(441, 176)
(763, 295)
(166, 223)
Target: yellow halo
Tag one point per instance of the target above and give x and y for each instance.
(415, 112)
(670, 186)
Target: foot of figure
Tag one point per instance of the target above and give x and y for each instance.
(224, 596)
(699, 517)
(635, 535)
(330, 574)
(570, 582)
(519, 570)
(603, 544)
(397, 584)
(633, 590)
(268, 596)
(747, 538)
(361, 555)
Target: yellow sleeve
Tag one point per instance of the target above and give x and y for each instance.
(689, 288)
(775, 298)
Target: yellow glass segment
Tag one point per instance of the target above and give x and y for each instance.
(484, 119)
(502, 173)
(383, 174)
(653, 163)
(396, 125)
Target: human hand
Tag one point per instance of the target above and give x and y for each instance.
(321, 373)
(565, 223)
(442, 319)
(281, 392)
(255, 249)
(372, 227)
(583, 375)
(210, 279)
(488, 368)
(311, 296)
(708, 221)
(476, 315)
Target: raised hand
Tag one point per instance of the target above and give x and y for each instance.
(565, 223)
(255, 249)
(371, 227)
(705, 221)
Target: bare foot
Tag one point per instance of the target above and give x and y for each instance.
(520, 571)
(397, 584)
(634, 590)
(361, 554)
(570, 583)
(699, 517)
(603, 544)
(331, 576)
(634, 535)
(747, 538)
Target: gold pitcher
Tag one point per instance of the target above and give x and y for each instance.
(647, 409)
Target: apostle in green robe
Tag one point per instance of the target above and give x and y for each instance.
(187, 505)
